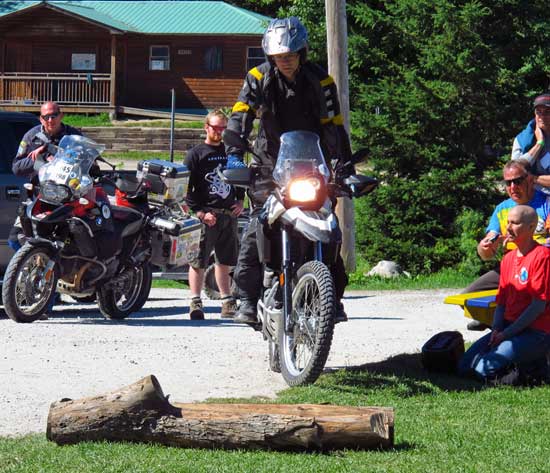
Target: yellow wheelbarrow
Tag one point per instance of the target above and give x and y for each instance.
(476, 305)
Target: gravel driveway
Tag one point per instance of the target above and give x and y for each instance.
(77, 353)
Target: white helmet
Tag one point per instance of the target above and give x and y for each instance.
(286, 35)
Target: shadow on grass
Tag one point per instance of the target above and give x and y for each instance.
(402, 373)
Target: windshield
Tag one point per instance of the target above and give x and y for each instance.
(299, 155)
(71, 164)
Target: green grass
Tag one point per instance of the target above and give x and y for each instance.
(442, 424)
(102, 119)
(80, 120)
(140, 155)
(441, 280)
(170, 284)
(163, 124)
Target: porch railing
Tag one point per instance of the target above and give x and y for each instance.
(69, 89)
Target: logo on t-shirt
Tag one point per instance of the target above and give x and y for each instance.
(217, 186)
(523, 275)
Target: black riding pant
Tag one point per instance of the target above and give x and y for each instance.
(248, 275)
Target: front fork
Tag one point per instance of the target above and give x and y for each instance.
(287, 277)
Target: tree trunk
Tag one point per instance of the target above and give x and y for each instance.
(141, 413)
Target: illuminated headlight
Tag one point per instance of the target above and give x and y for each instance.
(304, 190)
(54, 192)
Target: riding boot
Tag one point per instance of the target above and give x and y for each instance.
(247, 312)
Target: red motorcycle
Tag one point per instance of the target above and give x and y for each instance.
(79, 244)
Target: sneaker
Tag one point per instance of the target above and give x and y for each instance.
(246, 314)
(512, 377)
(195, 310)
(477, 326)
(229, 307)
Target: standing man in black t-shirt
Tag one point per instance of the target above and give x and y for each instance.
(217, 205)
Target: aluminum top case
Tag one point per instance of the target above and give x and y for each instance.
(175, 241)
(166, 181)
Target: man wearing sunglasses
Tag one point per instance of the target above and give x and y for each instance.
(34, 145)
(33, 148)
(514, 352)
(217, 205)
(520, 186)
(533, 143)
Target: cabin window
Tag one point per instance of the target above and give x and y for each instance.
(82, 62)
(213, 59)
(159, 58)
(254, 57)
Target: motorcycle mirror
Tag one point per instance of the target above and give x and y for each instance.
(232, 138)
(99, 158)
(361, 185)
(359, 155)
(240, 177)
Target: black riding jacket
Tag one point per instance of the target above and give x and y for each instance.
(310, 103)
(23, 165)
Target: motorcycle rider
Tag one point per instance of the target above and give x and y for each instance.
(33, 146)
(286, 93)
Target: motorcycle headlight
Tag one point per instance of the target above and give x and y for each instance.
(304, 190)
(55, 192)
(307, 193)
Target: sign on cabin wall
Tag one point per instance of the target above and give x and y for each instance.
(83, 62)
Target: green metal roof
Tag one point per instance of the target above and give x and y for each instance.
(155, 16)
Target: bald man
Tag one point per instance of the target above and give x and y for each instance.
(515, 350)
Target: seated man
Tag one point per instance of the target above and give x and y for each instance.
(521, 190)
(520, 336)
(533, 143)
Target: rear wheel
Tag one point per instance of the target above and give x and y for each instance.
(120, 300)
(211, 286)
(304, 351)
(29, 283)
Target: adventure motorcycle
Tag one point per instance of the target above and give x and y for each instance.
(79, 244)
(298, 240)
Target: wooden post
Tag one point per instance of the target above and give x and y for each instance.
(112, 99)
(141, 413)
(337, 50)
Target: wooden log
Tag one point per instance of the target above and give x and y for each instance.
(141, 413)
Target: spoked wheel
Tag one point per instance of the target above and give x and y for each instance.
(211, 286)
(304, 351)
(129, 296)
(29, 283)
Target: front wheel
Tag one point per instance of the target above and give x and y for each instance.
(119, 301)
(304, 351)
(29, 283)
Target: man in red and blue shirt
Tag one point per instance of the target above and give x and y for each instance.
(520, 336)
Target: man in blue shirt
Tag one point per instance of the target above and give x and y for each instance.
(520, 186)
(533, 143)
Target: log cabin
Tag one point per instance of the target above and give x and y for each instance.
(110, 56)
